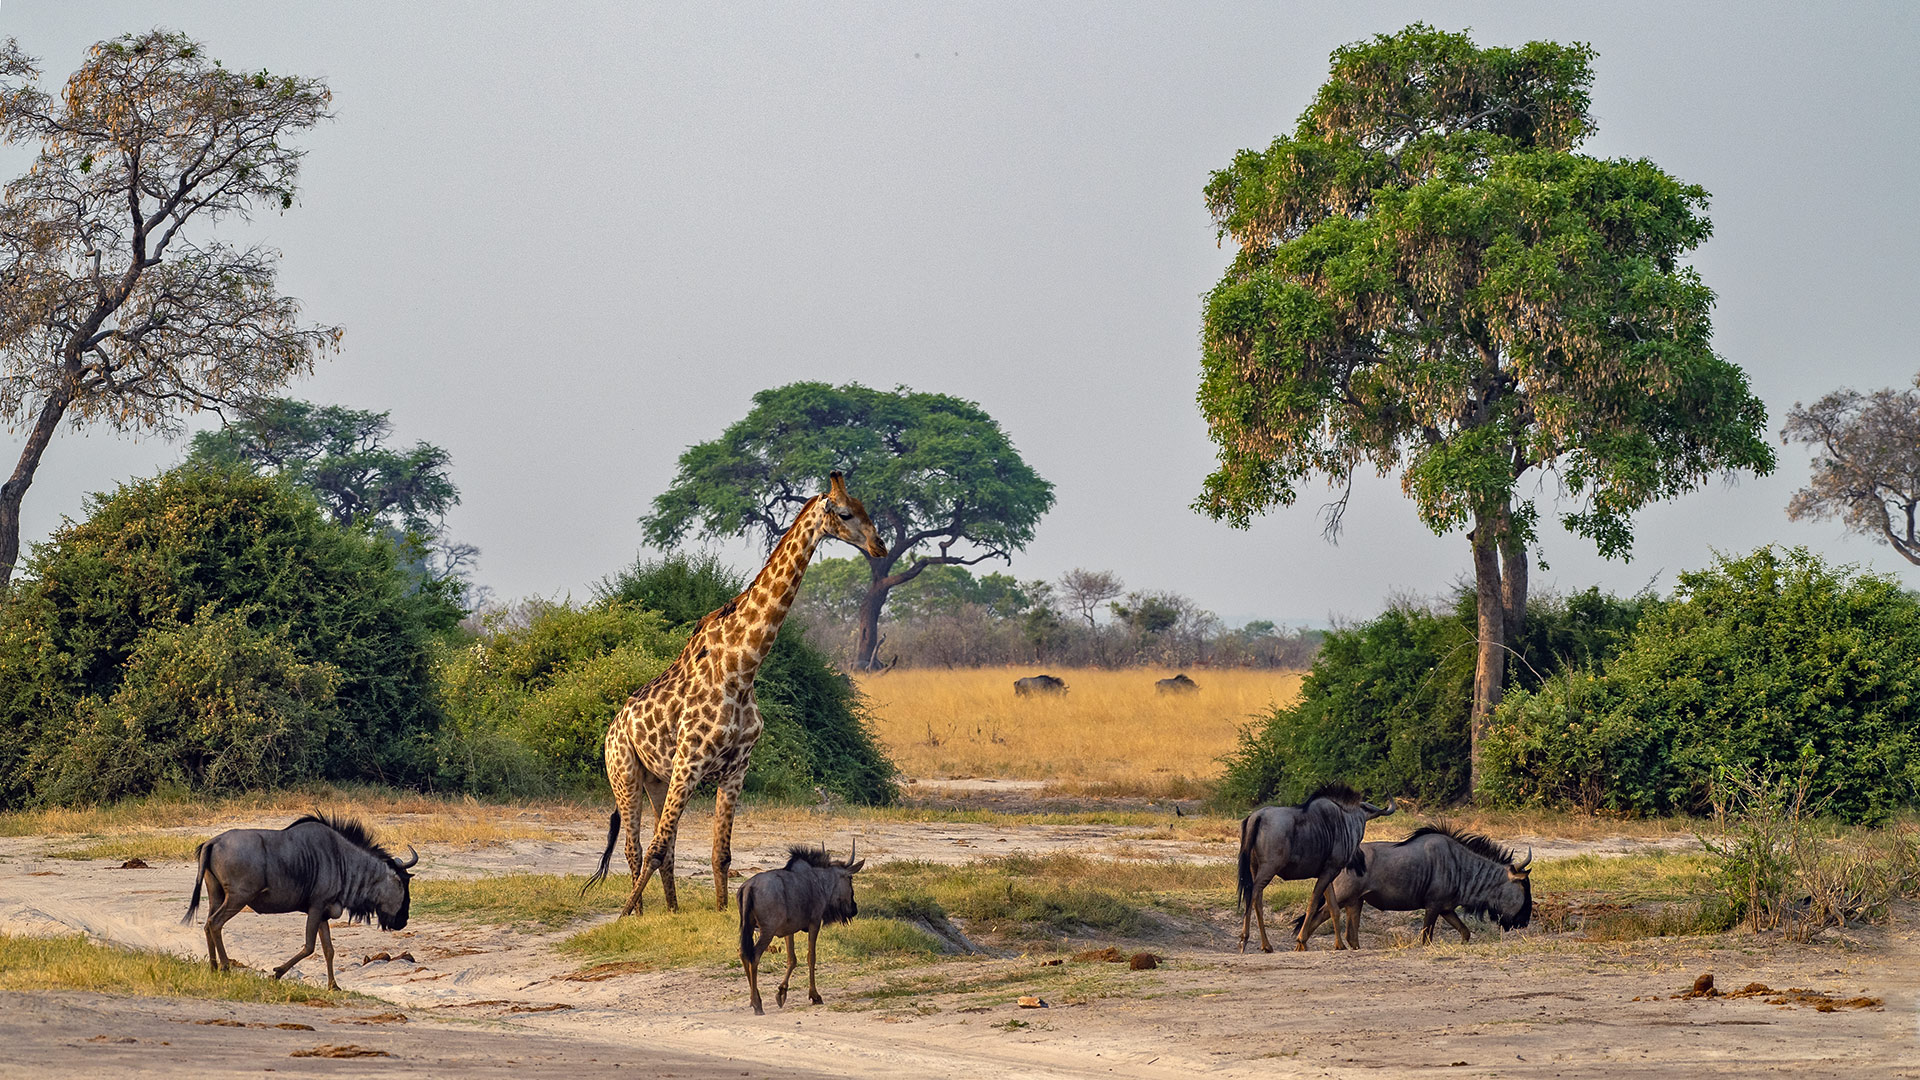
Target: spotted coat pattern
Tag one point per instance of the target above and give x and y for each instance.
(698, 720)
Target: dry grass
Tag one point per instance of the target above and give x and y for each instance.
(74, 963)
(1111, 733)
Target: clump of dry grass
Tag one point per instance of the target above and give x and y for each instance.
(1111, 733)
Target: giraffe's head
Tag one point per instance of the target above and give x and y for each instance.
(847, 518)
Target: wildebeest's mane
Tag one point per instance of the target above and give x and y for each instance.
(1338, 792)
(349, 829)
(808, 855)
(1473, 842)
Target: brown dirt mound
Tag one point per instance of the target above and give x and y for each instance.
(329, 1050)
(1798, 995)
(1109, 954)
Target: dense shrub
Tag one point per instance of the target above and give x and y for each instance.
(214, 705)
(308, 604)
(1753, 663)
(1385, 705)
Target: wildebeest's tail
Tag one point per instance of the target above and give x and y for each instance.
(1249, 836)
(606, 857)
(200, 856)
(745, 897)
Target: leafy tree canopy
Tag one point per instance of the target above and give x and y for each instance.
(941, 481)
(117, 305)
(1430, 279)
(342, 456)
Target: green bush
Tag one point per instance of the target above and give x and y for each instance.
(213, 706)
(1385, 706)
(1754, 663)
(306, 603)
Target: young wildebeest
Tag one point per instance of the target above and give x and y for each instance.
(1039, 684)
(319, 865)
(1317, 839)
(1439, 870)
(806, 894)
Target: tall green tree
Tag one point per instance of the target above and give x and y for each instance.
(117, 305)
(1430, 280)
(939, 478)
(341, 455)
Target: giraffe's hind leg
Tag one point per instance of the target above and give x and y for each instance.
(624, 772)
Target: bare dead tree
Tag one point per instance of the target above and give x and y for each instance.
(1866, 466)
(113, 314)
(1083, 591)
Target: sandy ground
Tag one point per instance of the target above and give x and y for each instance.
(487, 1001)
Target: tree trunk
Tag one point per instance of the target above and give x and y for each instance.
(866, 638)
(15, 489)
(1513, 585)
(1490, 672)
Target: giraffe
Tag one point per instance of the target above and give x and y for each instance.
(698, 719)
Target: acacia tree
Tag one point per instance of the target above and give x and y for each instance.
(1866, 468)
(1430, 280)
(939, 478)
(113, 313)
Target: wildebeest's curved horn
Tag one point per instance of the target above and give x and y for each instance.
(412, 857)
(1528, 861)
(852, 850)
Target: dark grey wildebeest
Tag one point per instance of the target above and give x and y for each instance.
(1436, 870)
(1039, 684)
(320, 865)
(1179, 684)
(806, 894)
(1317, 839)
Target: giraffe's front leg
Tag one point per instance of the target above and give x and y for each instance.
(666, 828)
(723, 806)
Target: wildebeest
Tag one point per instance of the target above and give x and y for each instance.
(320, 865)
(1179, 684)
(1438, 870)
(1317, 839)
(1039, 684)
(806, 894)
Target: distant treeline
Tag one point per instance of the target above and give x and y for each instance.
(950, 617)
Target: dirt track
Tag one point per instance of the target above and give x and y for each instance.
(1520, 1007)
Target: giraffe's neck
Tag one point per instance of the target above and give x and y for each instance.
(766, 602)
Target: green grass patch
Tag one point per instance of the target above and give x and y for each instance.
(152, 847)
(1626, 879)
(74, 963)
(703, 937)
(527, 900)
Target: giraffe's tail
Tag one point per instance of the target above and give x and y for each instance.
(606, 857)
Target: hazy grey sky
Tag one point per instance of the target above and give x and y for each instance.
(567, 240)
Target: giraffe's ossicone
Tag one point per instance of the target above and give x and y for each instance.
(697, 720)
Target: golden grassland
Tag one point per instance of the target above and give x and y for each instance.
(1110, 733)
(74, 963)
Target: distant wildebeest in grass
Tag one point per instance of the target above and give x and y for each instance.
(1039, 684)
(1317, 839)
(1179, 684)
(1438, 870)
(806, 894)
(320, 865)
